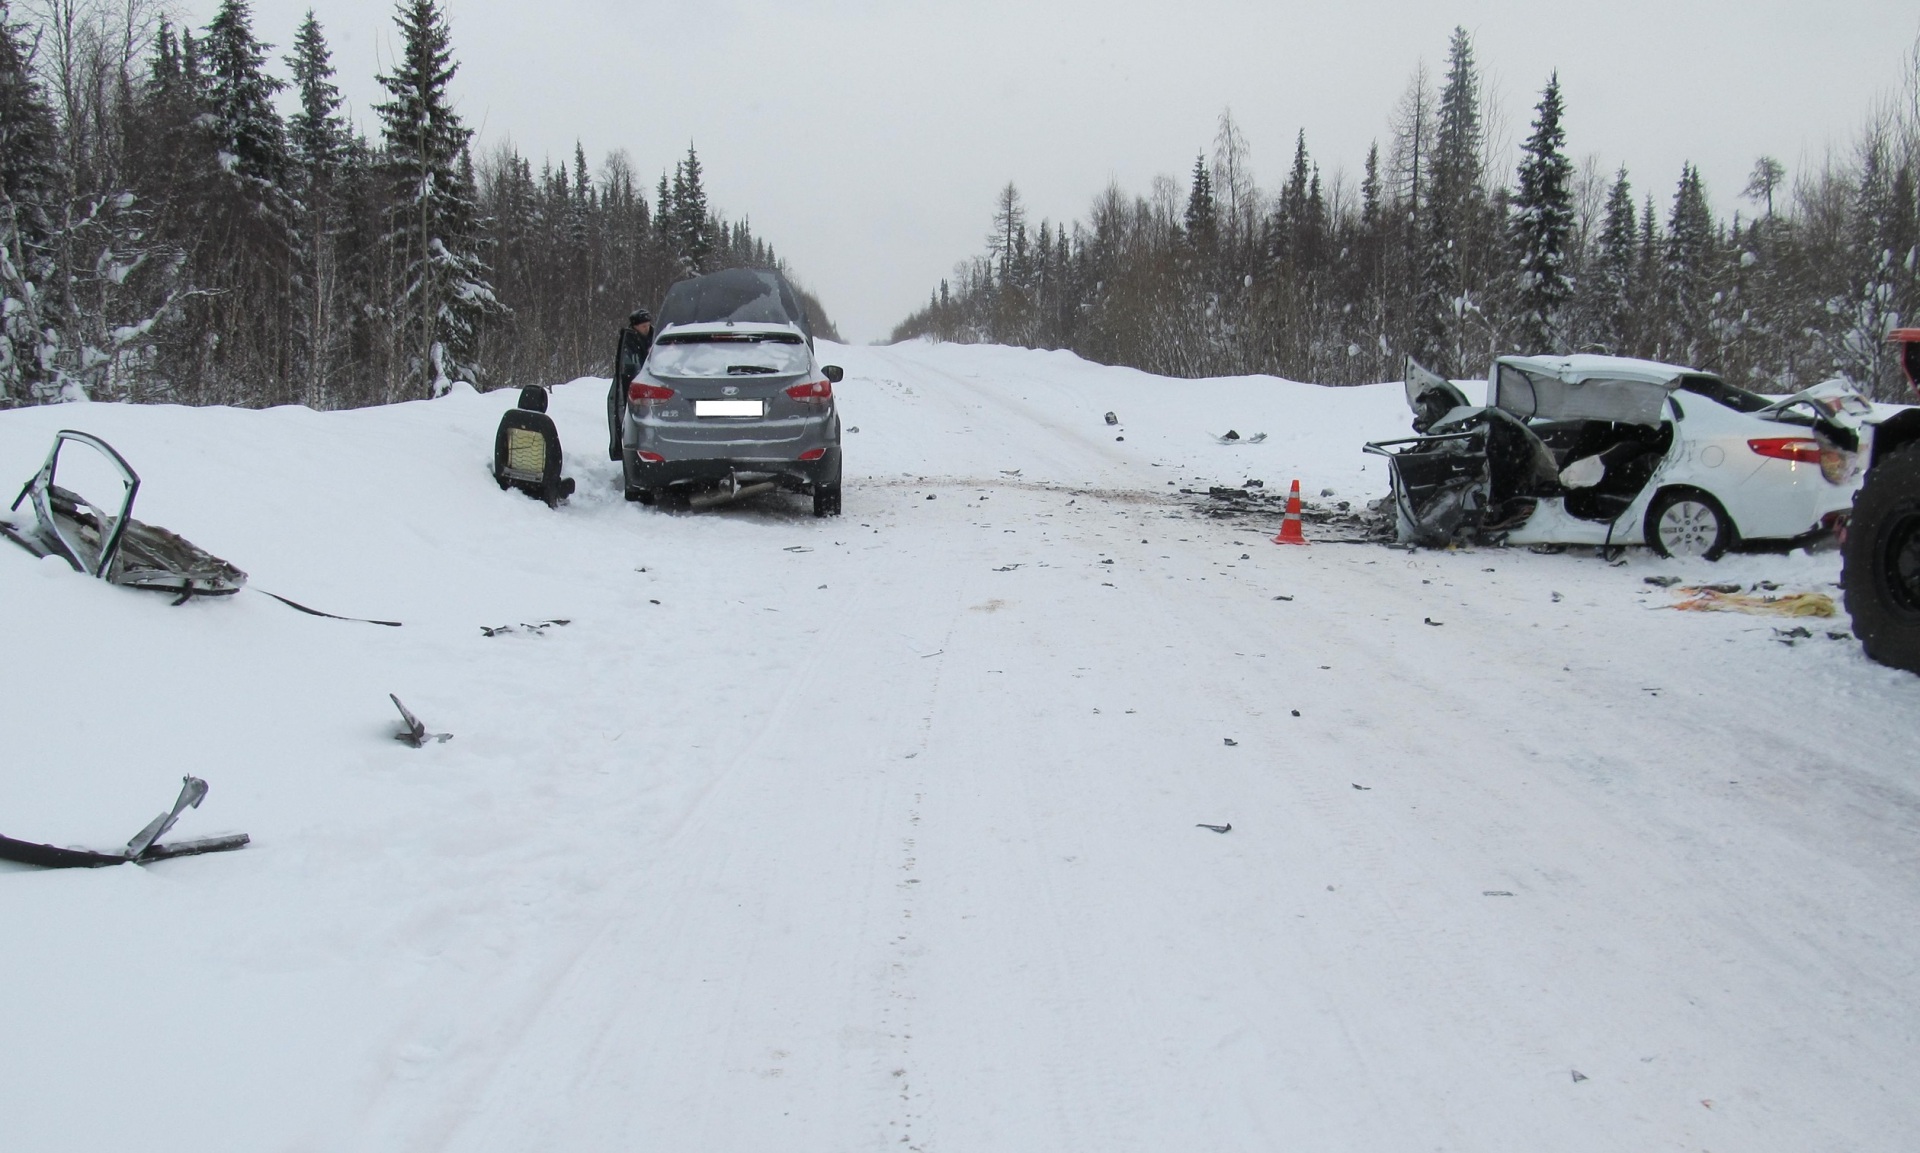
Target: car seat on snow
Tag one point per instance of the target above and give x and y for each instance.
(526, 450)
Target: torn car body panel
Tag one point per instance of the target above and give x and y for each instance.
(142, 848)
(111, 545)
(1577, 449)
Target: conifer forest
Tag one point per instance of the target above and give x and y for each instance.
(1442, 252)
(167, 235)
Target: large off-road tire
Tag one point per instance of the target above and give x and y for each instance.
(1881, 571)
(1684, 522)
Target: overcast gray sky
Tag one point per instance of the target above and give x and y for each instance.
(866, 140)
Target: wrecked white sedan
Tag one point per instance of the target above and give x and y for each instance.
(1608, 451)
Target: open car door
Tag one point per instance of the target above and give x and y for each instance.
(102, 539)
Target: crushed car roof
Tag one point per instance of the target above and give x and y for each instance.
(1587, 366)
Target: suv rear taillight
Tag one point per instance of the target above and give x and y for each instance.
(1800, 450)
(818, 392)
(638, 393)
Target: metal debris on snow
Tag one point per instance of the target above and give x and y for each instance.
(537, 628)
(144, 846)
(416, 733)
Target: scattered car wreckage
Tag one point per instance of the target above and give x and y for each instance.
(1609, 451)
(112, 545)
(1251, 505)
(143, 848)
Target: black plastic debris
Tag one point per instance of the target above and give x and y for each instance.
(1112, 419)
(1296, 712)
(1216, 828)
(144, 846)
(1665, 582)
(1434, 623)
(1578, 1076)
(416, 733)
(112, 545)
(1364, 788)
(1230, 742)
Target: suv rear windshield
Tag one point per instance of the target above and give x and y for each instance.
(728, 354)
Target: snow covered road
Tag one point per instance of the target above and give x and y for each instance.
(883, 832)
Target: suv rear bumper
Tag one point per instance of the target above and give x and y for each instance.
(796, 474)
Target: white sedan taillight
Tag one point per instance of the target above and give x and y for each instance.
(1836, 465)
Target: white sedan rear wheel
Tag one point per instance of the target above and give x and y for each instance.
(1684, 524)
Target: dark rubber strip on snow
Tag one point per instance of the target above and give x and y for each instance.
(329, 616)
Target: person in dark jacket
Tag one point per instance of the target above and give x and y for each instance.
(635, 339)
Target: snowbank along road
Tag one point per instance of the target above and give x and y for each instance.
(886, 831)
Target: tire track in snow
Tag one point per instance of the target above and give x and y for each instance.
(562, 999)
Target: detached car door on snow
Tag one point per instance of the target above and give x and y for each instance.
(86, 519)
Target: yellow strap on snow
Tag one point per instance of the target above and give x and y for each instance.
(1791, 605)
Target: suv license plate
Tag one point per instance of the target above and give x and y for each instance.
(729, 408)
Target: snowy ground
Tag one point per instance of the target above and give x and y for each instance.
(880, 832)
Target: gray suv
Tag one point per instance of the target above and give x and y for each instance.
(731, 400)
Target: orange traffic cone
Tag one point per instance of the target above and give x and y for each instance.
(1290, 527)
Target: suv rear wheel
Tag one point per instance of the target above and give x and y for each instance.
(826, 500)
(1881, 573)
